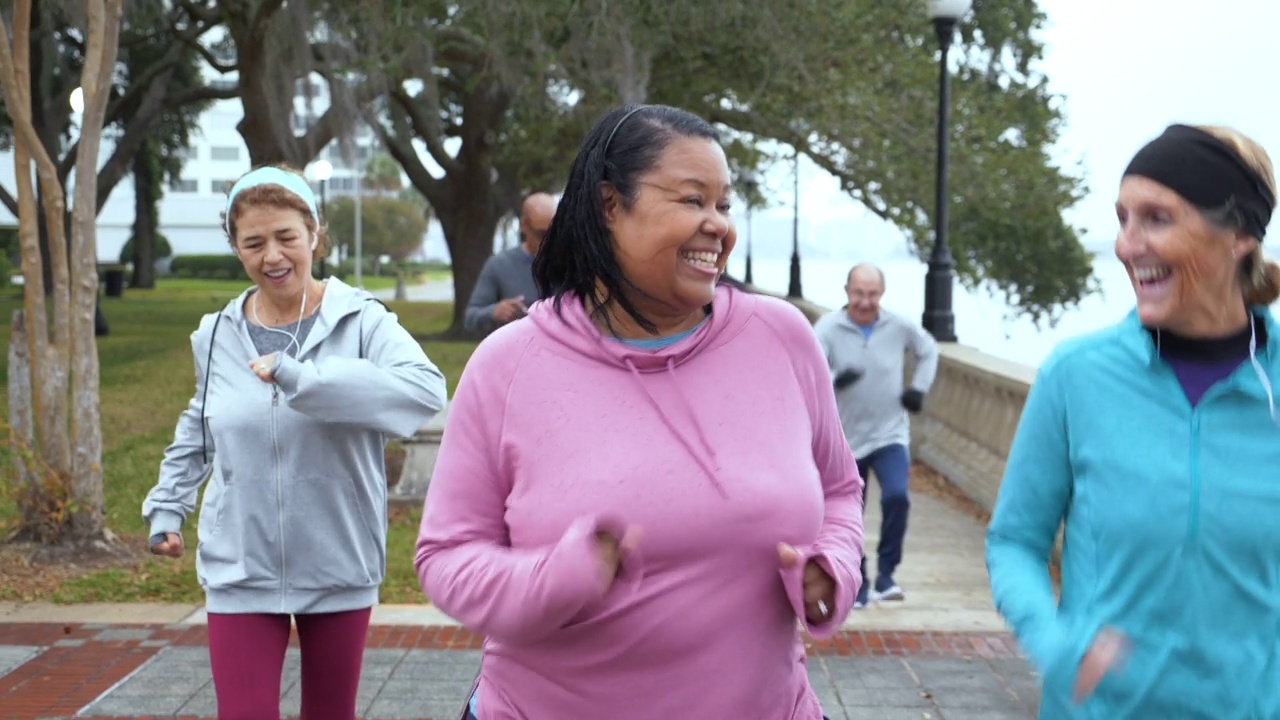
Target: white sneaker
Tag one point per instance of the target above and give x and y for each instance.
(891, 593)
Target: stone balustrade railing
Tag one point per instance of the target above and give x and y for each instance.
(969, 418)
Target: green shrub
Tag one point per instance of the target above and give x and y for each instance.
(163, 249)
(208, 267)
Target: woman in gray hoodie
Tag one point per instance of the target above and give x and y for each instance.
(299, 384)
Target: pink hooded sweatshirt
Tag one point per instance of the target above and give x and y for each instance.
(714, 449)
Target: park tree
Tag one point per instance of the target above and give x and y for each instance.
(500, 94)
(389, 226)
(453, 78)
(866, 110)
(382, 175)
(56, 435)
(156, 83)
(278, 48)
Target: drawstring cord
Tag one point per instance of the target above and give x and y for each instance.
(706, 452)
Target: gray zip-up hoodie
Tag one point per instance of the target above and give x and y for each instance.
(294, 519)
(871, 409)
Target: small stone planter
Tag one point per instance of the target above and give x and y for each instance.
(420, 453)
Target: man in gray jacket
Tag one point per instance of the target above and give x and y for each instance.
(505, 287)
(866, 347)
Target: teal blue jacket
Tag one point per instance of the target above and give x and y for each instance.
(1172, 531)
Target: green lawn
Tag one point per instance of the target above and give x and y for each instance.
(147, 379)
(372, 283)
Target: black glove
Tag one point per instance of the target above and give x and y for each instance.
(845, 378)
(912, 400)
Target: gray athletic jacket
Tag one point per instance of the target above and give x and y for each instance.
(294, 519)
(871, 409)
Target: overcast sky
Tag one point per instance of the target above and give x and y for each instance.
(1127, 69)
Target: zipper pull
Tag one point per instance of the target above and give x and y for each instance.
(275, 395)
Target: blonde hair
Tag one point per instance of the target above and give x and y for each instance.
(1259, 277)
(277, 197)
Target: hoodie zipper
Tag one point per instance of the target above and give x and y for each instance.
(1193, 521)
(275, 446)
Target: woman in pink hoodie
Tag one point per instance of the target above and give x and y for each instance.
(643, 488)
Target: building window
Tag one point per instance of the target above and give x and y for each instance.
(304, 122)
(224, 152)
(220, 187)
(189, 153)
(183, 186)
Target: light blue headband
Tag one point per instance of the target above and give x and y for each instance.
(274, 176)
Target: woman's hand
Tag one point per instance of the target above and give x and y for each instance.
(169, 546)
(263, 366)
(1104, 655)
(610, 550)
(819, 587)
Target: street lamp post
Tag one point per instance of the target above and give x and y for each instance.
(793, 289)
(322, 170)
(939, 320)
(751, 183)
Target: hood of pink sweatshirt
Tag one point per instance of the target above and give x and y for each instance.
(569, 325)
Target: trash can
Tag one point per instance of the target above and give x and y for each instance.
(114, 281)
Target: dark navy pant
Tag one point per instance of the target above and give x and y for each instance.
(890, 465)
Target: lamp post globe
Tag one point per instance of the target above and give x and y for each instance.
(949, 9)
(322, 170)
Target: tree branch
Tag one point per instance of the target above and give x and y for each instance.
(200, 14)
(748, 122)
(209, 57)
(426, 128)
(202, 93)
(10, 203)
(400, 147)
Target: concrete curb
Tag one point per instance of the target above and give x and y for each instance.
(886, 617)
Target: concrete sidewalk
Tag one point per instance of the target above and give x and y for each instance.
(50, 670)
(428, 291)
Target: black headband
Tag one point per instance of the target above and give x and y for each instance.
(614, 131)
(1208, 173)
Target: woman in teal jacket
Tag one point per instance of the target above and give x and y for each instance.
(1157, 442)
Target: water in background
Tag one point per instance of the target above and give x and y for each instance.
(982, 321)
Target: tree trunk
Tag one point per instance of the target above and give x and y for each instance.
(22, 438)
(101, 47)
(145, 185)
(267, 68)
(48, 361)
(469, 227)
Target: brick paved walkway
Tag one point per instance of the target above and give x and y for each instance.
(52, 670)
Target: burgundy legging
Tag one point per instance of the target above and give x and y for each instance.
(247, 654)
